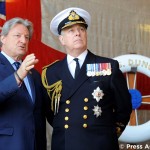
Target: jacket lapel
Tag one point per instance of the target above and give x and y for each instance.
(67, 79)
(74, 84)
(66, 75)
(5, 65)
(31, 83)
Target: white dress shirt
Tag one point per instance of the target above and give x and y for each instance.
(72, 63)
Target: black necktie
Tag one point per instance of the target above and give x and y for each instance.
(77, 69)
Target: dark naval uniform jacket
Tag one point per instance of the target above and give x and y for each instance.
(91, 111)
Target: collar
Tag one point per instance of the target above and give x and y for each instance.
(9, 58)
(81, 58)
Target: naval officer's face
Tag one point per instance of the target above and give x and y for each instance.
(74, 39)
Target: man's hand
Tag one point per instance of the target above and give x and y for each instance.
(27, 64)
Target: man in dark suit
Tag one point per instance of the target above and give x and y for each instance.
(88, 93)
(22, 96)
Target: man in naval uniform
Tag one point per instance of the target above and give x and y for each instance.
(89, 98)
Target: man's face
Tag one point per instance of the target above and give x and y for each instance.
(74, 39)
(15, 44)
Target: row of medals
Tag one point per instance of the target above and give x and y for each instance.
(98, 69)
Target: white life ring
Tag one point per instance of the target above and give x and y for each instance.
(139, 133)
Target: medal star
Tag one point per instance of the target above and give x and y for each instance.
(98, 94)
(97, 111)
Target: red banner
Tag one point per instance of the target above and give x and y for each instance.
(31, 10)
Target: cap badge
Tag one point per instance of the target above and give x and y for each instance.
(98, 94)
(97, 111)
(73, 16)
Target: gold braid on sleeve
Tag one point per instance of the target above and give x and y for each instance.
(54, 91)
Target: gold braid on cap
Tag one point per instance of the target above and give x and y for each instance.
(54, 90)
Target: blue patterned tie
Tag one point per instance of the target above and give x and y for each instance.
(17, 65)
(77, 69)
(23, 86)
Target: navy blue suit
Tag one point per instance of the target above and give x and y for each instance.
(22, 121)
(75, 127)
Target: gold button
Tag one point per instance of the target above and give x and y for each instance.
(66, 126)
(118, 129)
(85, 108)
(66, 118)
(86, 100)
(84, 125)
(67, 110)
(84, 116)
(67, 101)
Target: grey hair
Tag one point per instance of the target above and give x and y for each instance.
(8, 25)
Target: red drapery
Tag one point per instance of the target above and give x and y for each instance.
(31, 9)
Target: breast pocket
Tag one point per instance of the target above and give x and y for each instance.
(96, 81)
(101, 82)
(6, 131)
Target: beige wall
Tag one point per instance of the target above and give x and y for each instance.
(118, 26)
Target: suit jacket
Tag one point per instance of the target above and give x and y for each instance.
(22, 121)
(75, 125)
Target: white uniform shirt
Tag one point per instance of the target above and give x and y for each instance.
(72, 63)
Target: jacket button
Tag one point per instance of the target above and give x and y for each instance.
(85, 108)
(66, 118)
(86, 100)
(66, 126)
(67, 110)
(67, 101)
(84, 116)
(118, 129)
(84, 125)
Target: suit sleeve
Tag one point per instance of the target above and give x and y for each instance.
(48, 112)
(122, 99)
